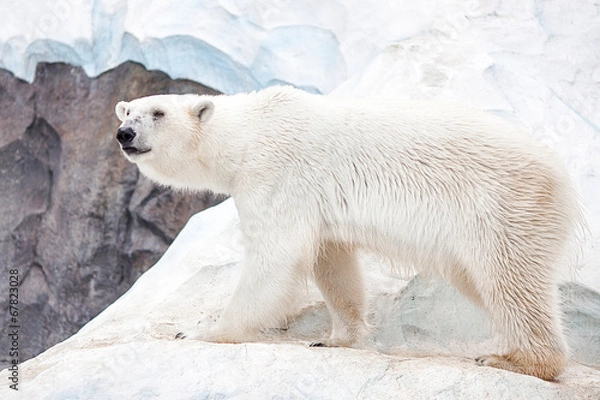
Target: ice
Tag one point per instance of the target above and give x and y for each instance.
(234, 45)
(304, 55)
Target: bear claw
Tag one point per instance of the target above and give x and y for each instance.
(180, 335)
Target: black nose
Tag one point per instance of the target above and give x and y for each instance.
(125, 135)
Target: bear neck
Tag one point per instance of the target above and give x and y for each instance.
(227, 138)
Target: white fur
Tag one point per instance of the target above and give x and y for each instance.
(448, 190)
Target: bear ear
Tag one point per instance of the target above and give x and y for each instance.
(203, 109)
(121, 110)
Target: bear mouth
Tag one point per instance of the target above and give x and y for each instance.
(134, 151)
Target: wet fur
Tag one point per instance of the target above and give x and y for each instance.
(444, 189)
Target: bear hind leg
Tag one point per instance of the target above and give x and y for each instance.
(527, 313)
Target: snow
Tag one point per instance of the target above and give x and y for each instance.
(532, 62)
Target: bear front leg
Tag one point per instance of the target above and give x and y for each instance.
(273, 271)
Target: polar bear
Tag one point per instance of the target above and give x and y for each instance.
(448, 190)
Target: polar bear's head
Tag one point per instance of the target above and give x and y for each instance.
(158, 132)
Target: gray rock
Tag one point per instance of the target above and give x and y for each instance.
(76, 219)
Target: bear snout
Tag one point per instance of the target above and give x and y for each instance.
(125, 135)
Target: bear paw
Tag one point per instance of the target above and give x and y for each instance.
(547, 369)
(496, 361)
(214, 335)
(335, 343)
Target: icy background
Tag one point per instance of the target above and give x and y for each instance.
(534, 62)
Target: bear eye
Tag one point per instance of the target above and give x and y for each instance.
(158, 114)
(128, 113)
